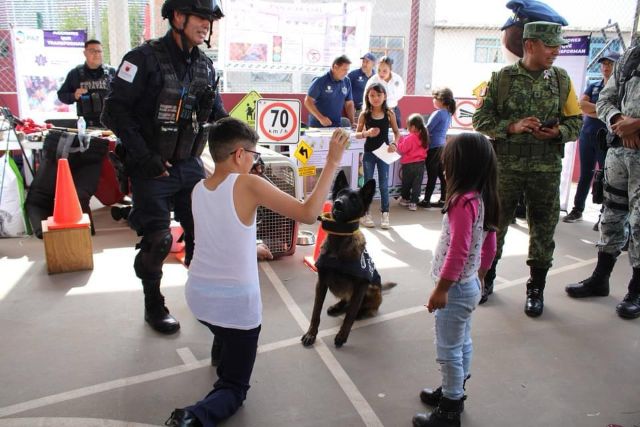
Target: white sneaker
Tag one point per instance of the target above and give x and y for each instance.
(403, 202)
(367, 221)
(385, 220)
(413, 207)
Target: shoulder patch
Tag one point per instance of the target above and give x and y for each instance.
(127, 71)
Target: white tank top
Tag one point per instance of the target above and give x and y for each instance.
(223, 287)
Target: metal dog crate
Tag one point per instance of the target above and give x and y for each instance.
(276, 231)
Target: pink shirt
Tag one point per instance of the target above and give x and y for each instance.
(464, 246)
(411, 149)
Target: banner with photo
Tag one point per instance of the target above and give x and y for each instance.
(276, 37)
(42, 60)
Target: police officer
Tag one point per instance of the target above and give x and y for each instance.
(161, 101)
(329, 94)
(87, 84)
(359, 79)
(530, 110)
(619, 107)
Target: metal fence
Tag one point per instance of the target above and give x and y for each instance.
(454, 43)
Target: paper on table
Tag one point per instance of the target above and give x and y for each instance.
(386, 156)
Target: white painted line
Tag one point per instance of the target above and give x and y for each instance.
(500, 279)
(186, 355)
(68, 422)
(551, 272)
(575, 258)
(353, 394)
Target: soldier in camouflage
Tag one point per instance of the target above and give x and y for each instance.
(530, 110)
(619, 107)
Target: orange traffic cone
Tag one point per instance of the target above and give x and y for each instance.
(320, 236)
(67, 212)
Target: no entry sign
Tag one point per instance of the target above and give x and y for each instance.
(278, 121)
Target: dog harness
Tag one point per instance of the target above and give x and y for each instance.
(363, 267)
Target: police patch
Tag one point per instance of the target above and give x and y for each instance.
(344, 90)
(127, 71)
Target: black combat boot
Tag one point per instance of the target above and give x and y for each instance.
(598, 284)
(629, 308)
(535, 292)
(432, 397)
(155, 312)
(182, 418)
(488, 282)
(447, 414)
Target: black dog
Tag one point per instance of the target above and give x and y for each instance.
(344, 266)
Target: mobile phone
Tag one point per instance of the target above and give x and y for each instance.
(549, 123)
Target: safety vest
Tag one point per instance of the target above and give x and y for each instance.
(183, 108)
(90, 104)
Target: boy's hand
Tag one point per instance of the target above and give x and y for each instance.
(438, 299)
(337, 145)
(263, 252)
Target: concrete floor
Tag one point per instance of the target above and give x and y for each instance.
(76, 351)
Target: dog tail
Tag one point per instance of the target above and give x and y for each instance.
(388, 285)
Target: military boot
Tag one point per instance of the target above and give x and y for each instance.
(447, 414)
(535, 292)
(155, 312)
(629, 308)
(597, 285)
(432, 397)
(488, 282)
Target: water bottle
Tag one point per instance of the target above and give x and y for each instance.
(82, 127)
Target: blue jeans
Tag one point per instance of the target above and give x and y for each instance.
(239, 348)
(369, 163)
(453, 336)
(590, 153)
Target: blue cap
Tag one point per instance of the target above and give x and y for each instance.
(610, 56)
(370, 56)
(530, 11)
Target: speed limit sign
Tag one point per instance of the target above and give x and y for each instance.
(278, 121)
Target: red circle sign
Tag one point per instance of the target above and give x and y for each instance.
(464, 113)
(292, 113)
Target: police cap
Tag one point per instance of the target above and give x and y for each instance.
(207, 9)
(531, 10)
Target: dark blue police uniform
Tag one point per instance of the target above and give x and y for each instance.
(330, 96)
(96, 81)
(159, 103)
(358, 81)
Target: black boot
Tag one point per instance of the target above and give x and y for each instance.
(182, 418)
(447, 414)
(432, 397)
(155, 312)
(598, 284)
(488, 282)
(629, 308)
(535, 292)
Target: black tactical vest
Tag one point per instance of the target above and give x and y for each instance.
(90, 104)
(183, 108)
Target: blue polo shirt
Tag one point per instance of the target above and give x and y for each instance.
(591, 125)
(358, 81)
(330, 96)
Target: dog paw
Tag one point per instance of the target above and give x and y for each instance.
(308, 339)
(339, 340)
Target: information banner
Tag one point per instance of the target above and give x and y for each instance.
(42, 61)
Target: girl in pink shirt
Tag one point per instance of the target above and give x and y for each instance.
(464, 253)
(413, 148)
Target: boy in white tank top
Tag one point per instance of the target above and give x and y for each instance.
(222, 290)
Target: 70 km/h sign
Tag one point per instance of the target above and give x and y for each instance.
(278, 121)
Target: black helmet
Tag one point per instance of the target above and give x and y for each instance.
(207, 9)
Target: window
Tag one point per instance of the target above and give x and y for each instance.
(488, 50)
(393, 47)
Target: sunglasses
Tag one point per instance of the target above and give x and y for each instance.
(256, 155)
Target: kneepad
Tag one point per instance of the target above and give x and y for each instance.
(154, 248)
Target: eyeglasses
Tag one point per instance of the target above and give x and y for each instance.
(256, 155)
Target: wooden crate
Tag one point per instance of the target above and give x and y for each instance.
(68, 249)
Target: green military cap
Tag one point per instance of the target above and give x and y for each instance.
(549, 32)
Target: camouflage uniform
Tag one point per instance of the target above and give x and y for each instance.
(527, 164)
(621, 190)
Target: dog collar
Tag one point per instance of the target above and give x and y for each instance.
(330, 225)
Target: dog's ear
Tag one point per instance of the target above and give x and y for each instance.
(366, 193)
(339, 184)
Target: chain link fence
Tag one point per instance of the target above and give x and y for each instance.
(433, 43)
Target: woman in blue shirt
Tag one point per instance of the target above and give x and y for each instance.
(438, 124)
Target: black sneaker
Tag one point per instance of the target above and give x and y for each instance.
(573, 216)
(424, 204)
